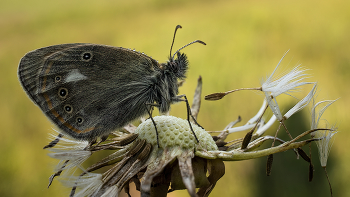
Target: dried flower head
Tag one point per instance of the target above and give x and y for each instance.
(178, 163)
(163, 154)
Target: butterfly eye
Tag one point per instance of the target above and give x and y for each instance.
(86, 56)
(68, 108)
(62, 92)
(58, 78)
(80, 120)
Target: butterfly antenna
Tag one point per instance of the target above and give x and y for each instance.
(196, 41)
(176, 28)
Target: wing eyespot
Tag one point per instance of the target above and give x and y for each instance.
(79, 120)
(68, 108)
(58, 78)
(63, 93)
(86, 56)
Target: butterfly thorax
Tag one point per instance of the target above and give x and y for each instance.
(167, 87)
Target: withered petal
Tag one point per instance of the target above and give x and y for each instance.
(157, 163)
(199, 166)
(121, 173)
(109, 160)
(113, 191)
(196, 103)
(216, 170)
(140, 163)
(185, 165)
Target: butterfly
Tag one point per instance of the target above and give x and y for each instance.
(90, 90)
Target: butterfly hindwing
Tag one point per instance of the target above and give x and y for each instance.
(86, 89)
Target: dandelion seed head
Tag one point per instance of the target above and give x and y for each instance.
(173, 131)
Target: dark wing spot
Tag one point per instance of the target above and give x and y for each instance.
(58, 78)
(62, 93)
(80, 120)
(68, 108)
(87, 56)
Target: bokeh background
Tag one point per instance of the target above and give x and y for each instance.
(245, 40)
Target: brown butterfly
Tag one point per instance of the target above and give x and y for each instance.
(90, 90)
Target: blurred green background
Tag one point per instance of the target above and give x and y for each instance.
(245, 40)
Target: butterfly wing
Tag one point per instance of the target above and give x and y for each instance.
(89, 90)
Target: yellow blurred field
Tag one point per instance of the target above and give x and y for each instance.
(245, 40)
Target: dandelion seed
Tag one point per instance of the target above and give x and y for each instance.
(316, 116)
(301, 104)
(284, 85)
(326, 136)
(324, 145)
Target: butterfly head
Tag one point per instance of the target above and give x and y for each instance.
(178, 66)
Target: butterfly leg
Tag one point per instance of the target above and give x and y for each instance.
(54, 142)
(154, 123)
(189, 114)
(150, 111)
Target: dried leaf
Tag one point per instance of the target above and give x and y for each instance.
(196, 103)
